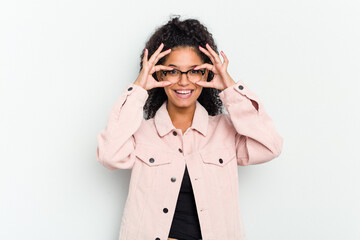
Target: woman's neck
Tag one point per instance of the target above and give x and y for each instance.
(181, 117)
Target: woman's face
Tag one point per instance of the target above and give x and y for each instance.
(183, 59)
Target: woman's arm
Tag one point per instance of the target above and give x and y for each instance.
(116, 143)
(257, 140)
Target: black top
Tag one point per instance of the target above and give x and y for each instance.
(185, 224)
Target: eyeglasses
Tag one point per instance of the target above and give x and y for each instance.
(175, 75)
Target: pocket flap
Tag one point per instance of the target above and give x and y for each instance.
(219, 156)
(152, 156)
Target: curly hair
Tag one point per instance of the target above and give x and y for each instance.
(177, 33)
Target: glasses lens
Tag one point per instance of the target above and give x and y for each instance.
(172, 75)
(175, 75)
(195, 75)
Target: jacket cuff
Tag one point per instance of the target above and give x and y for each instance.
(133, 93)
(239, 92)
(140, 92)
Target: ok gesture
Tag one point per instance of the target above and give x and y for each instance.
(221, 78)
(145, 78)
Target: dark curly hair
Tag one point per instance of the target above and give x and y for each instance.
(176, 33)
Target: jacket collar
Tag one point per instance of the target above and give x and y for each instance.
(164, 124)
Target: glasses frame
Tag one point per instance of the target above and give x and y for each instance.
(181, 73)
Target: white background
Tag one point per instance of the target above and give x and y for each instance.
(63, 64)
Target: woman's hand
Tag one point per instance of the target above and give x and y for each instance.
(221, 78)
(145, 78)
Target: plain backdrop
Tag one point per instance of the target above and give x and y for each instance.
(63, 64)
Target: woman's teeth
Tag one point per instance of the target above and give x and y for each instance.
(183, 94)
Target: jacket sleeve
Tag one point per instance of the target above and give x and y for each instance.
(116, 143)
(256, 138)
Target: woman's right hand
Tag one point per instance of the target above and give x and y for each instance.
(145, 78)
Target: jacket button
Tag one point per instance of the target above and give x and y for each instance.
(165, 210)
(180, 150)
(157, 238)
(174, 133)
(241, 87)
(173, 179)
(130, 88)
(151, 160)
(220, 160)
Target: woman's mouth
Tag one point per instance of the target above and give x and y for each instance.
(183, 93)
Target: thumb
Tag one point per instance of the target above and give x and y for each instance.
(165, 83)
(201, 84)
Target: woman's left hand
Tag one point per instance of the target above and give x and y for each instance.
(221, 78)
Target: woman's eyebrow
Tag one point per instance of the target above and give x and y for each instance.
(176, 66)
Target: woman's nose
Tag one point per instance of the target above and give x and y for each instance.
(184, 79)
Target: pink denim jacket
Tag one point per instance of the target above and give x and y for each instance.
(212, 148)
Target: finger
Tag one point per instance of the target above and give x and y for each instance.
(161, 67)
(163, 84)
(226, 60)
(213, 53)
(152, 58)
(161, 55)
(207, 53)
(206, 66)
(204, 84)
(145, 58)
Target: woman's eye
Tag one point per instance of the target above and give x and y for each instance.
(172, 72)
(195, 71)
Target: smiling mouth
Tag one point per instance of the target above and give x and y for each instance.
(183, 94)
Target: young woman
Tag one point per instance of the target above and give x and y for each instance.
(169, 127)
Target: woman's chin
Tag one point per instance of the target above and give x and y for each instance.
(183, 101)
(183, 104)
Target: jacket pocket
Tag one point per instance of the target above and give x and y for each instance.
(152, 156)
(219, 164)
(218, 156)
(151, 165)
